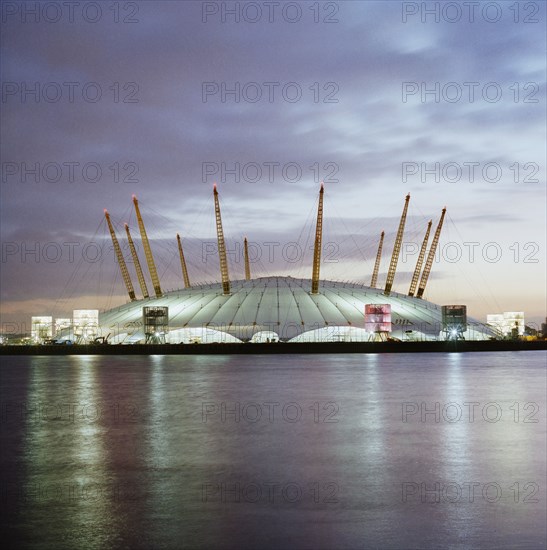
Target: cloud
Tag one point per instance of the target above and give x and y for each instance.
(158, 147)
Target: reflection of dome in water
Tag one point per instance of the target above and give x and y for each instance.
(282, 305)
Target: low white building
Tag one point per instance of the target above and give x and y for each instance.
(504, 323)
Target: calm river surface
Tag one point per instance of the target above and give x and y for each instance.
(299, 451)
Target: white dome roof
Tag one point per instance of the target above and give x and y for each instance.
(283, 305)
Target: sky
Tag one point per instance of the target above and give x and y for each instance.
(103, 100)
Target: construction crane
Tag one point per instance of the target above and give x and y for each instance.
(374, 279)
(148, 251)
(430, 256)
(420, 261)
(121, 261)
(396, 249)
(183, 264)
(246, 257)
(137, 263)
(221, 246)
(317, 247)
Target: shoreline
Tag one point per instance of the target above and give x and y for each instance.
(460, 346)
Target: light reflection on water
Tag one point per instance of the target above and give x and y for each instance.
(136, 452)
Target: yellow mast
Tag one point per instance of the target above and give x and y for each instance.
(431, 256)
(119, 255)
(221, 245)
(147, 251)
(396, 249)
(246, 255)
(374, 279)
(137, 263)
(420, 261)
(183, 264)
(317, 247)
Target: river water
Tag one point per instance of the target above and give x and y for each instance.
(293, 451)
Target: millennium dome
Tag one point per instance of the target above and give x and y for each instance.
(279, 308)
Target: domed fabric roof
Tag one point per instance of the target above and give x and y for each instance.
(283, 305)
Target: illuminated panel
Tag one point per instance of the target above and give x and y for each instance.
(86, 322)
(507, 322)
(495, 320)
(61, 324)
(378, 317)
(41, 327)
(513, 320)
